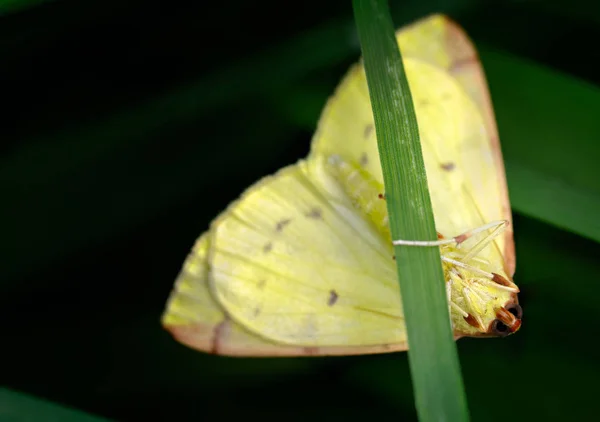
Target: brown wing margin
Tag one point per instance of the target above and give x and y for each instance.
(465, 65)
(226, 339)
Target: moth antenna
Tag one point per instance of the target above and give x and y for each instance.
(456, 239)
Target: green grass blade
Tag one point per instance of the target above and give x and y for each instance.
(9, 6)
(19, 407)
(435, 370)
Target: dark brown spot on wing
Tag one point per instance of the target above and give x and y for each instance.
(381, 196)
(261, 284)
(267, 248)
(364, 160)
(368, 130)
(281, 224)
(315, 213)
(449, 166)
(333, 297)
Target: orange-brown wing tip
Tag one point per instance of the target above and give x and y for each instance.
(197, 336)
(221, 340)
(224, 340)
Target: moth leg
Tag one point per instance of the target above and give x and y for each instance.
(491, 279)
(451, 304)
(475, 249)
(449, 294)
(498, 225)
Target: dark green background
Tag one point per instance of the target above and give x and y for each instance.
(128, 126)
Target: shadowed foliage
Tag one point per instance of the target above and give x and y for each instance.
(130, 125)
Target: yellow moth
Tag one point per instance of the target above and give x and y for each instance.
(302, 263)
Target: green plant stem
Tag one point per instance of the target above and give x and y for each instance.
(435, 369)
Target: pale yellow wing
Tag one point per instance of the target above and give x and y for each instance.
(292, 268)
(458, 135)
(296, 262)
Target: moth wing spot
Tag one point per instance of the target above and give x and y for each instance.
(449, 166)
(364, 159)
(282, 223)
(368, 130)
(333, 297)
(268, 247)
(315, 213)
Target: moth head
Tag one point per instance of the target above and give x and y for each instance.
(508, 319)
(483, 303)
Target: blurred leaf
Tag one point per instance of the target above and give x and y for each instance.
(136, 138)
(7, 6)
(18, 407)
(549, 137)
(100, 211)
